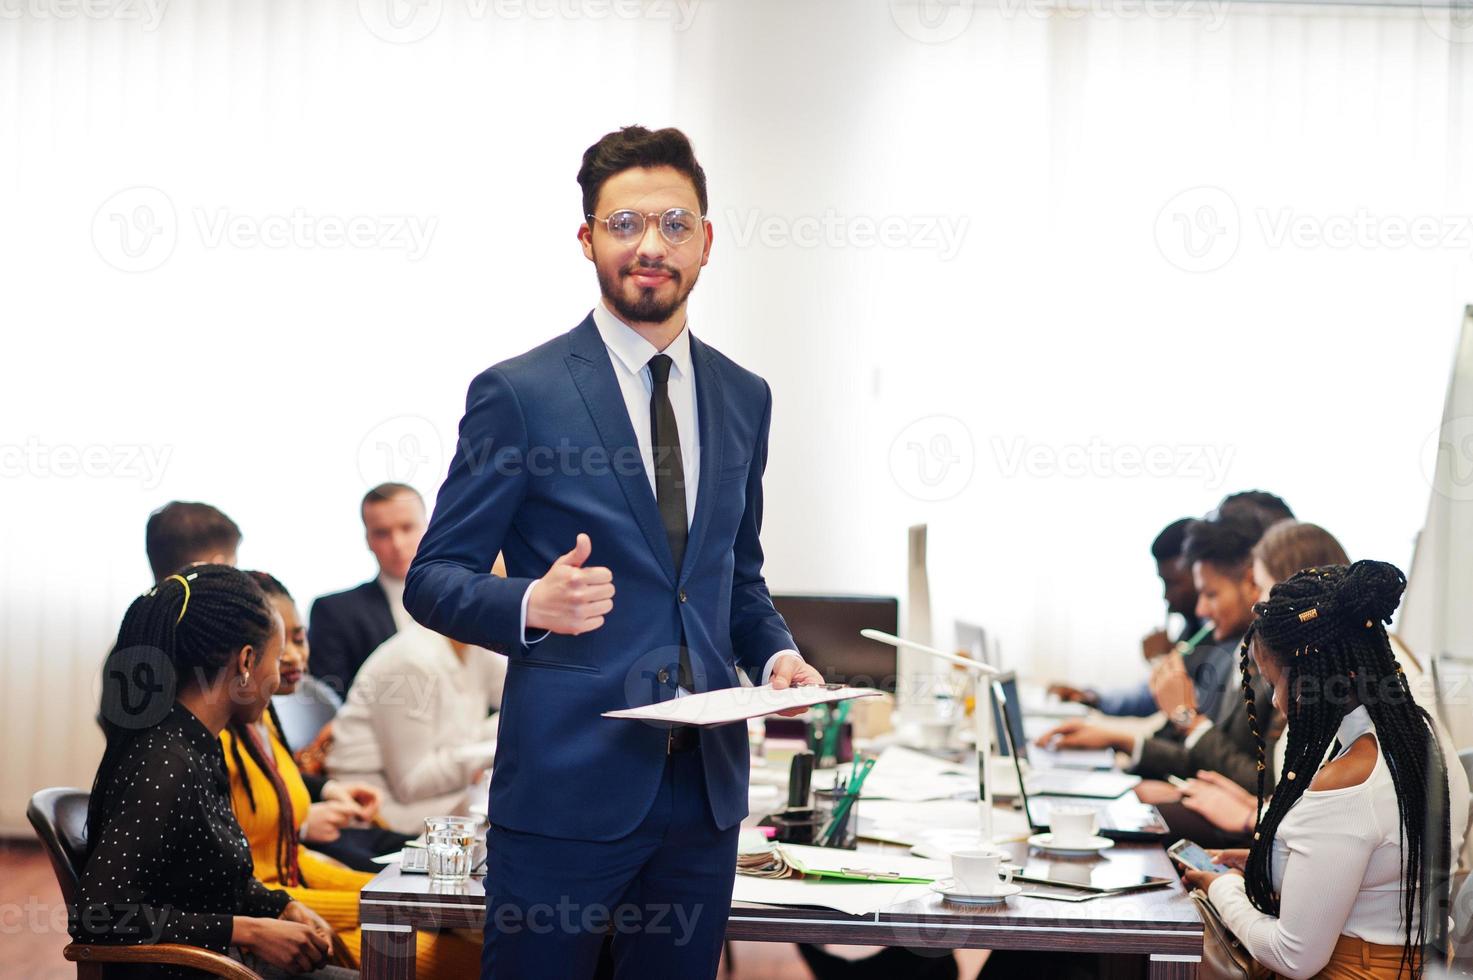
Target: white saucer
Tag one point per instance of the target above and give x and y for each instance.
(945, 887)
(1091, 846)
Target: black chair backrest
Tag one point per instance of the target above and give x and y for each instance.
(59, 815)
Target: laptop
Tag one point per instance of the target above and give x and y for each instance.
(1118, 819)
(1045, 778)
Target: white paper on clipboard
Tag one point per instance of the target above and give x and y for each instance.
(731, 704)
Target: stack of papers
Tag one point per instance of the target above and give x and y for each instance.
(858, 892)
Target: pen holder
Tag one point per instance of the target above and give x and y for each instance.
(796, 826)
(843, 834)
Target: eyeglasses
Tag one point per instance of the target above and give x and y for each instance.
(677, 225)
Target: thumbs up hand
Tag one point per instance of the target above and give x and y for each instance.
(572, 599)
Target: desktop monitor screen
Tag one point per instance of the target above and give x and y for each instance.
(827, 630)
(1005, 690)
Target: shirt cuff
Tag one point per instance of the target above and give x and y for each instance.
(527, 598)
(1216, 890)
(772, 661)
(1137, 747)
(1195, 735)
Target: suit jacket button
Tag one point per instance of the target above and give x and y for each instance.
(681, 595)
(663, 676)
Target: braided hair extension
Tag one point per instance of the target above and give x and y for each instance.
(225, 611)
(288, 872)
(1324, 627)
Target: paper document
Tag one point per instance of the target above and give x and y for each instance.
(838, 864)
(853, 897)
(740, 703)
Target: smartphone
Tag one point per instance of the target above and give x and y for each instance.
(1192, 855)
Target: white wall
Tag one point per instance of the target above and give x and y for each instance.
(1059, 314)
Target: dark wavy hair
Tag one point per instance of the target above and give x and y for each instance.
(635, 146)
(1325, 627)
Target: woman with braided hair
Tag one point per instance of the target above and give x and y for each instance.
(1348, 872)
(166, 861)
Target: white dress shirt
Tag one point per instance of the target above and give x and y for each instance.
(394, 590)
(417, 724)
(630, 354)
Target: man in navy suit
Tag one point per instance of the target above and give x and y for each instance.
(624, 454)
(345, 627)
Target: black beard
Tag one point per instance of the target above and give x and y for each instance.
(645, 309)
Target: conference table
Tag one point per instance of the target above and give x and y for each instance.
(1155, 933)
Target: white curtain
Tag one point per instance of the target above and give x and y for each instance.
(1042, 277)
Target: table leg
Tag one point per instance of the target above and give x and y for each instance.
(1169, 967)
(387, 952)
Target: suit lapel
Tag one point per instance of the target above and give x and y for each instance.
(711, 412)
(588, 362)
(382, 614)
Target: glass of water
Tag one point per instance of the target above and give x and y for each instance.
(449, 852)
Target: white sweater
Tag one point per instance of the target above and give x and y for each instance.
(415, 724)
(1337, 864)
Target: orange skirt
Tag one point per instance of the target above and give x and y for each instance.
(1356, 959)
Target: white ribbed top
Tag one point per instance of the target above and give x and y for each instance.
(1337, 865)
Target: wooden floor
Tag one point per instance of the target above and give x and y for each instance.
(33, 929)
(32, 917)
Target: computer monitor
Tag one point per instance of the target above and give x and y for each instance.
(972, 639)
(1007, 716)
(827, 627)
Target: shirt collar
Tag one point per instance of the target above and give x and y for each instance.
(1355, 724)
(632, 350)
(391, 586)
(193, 731)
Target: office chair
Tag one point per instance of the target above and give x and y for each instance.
(59, 816)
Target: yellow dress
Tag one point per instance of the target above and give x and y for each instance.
(329, 889)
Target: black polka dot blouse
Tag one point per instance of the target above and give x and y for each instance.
(169, 863)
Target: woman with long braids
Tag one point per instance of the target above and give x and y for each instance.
(271, 801)
(166, 860)
(1348, 872)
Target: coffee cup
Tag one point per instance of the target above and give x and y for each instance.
(976, 871)
(1073, 826)
(936, 734)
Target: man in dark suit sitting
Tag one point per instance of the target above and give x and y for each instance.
(345, 627)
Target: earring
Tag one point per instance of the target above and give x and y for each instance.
(245, 679)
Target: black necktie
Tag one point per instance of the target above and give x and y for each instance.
(669, 478)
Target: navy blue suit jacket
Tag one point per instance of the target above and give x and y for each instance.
(546, 450)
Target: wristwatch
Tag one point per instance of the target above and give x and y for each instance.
(1183, 717)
